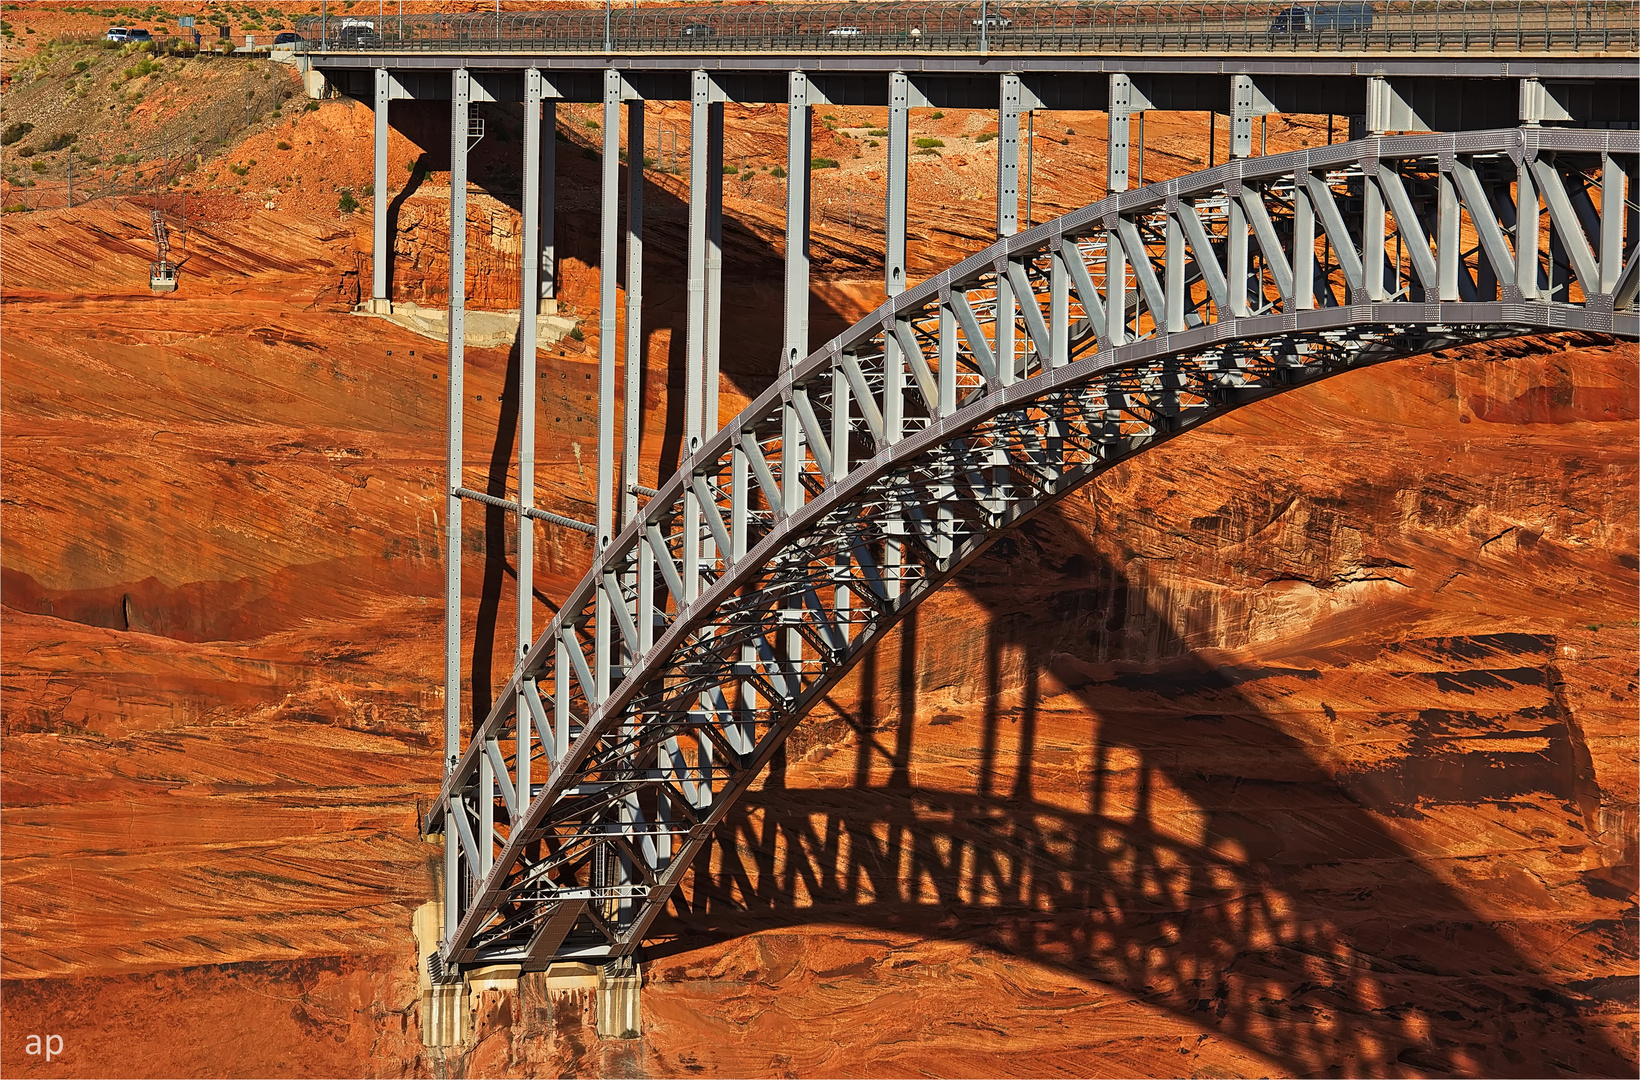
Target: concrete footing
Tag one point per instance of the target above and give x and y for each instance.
(444, 1015)
(452, 1012)
(483, 329)
(445, 1012)
(619, 1015)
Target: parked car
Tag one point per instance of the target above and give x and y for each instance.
(845, 31)
(139, 35)
(1301, 19)
(697, 30)
(289, 37)
(117, 33)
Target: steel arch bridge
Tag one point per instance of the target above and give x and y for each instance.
(881, 464)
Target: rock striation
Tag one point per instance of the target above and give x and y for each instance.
(1302, 745)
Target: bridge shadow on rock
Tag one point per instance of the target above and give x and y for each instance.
(1161, 835)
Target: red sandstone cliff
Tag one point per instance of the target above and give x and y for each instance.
(1301, 745)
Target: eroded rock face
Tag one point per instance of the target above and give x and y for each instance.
(1302, 744)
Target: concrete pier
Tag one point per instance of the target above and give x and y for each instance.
(619, 1013)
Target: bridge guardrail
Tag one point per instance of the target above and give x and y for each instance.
(1092, 26)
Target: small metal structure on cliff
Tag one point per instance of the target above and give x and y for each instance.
(162, 272)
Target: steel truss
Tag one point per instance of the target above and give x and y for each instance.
(881, 464)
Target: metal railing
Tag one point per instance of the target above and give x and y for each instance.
(1123, 26)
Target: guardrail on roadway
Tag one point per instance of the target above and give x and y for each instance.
(1083, 26)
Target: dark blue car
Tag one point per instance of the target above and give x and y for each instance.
(1302, 18)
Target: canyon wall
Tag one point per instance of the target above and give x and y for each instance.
(1303, 744)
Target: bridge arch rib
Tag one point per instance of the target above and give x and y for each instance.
(880, 465)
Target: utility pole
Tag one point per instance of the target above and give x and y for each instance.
(71, 180)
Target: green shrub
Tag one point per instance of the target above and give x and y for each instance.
(928, 144)
(880, 133)
(81, 65)
(39, 166)
(778, 173)
(927, 150)
(58, 141)
(823, 163)
(347, 203)
(731, 170)
(312, 106)
(936, 115)
(576, 335)
(985, 136)
(369, 190)
(281, 145)
(15, 132)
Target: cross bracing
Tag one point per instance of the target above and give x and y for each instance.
(875, 468)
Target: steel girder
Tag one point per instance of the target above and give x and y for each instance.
(881, 464)
(1115, 26)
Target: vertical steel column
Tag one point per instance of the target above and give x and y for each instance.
(1613, 195)
(380, 253)
(1004, 328)
(798, 155)
(695, 344)
(1173, 269)
(1241, 116)
(609, 243)
(1236, 269)
(894, 283)
(632, 414)
(1373, 255)
(452, 504)
(1303, 246)
(1526, 231)
(714, 267)
(1116, 305)
(549, 165)
(1008, 156)
(899, 95)
(1116, 139)
(529, 304)
(1447, 225)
